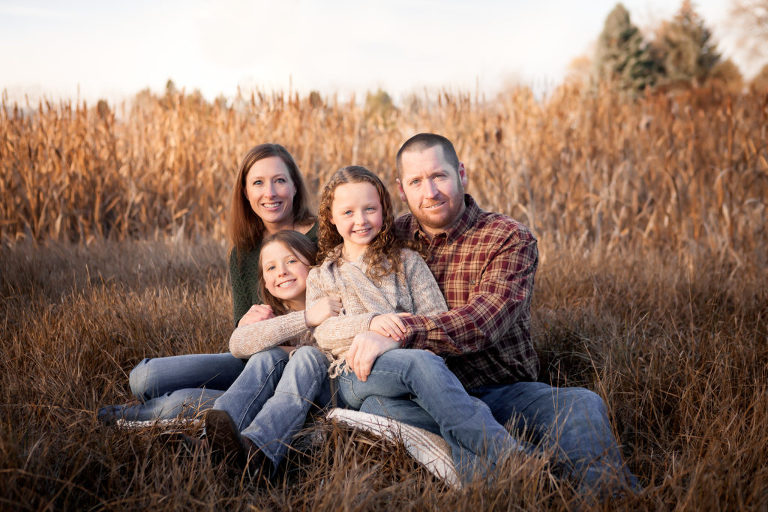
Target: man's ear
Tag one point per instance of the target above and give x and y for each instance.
(400, 190)
(462, 174)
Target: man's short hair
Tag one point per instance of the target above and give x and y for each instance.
(422, 141)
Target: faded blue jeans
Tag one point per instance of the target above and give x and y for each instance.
(570, 422)
(478, 442)
(185, 385)
(270, 405)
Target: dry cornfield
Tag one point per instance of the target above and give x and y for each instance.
(651, 291)
(687, 170)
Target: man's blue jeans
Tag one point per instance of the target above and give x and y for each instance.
(571, 422)
(269, 403)
(185, 385)
(478, 442)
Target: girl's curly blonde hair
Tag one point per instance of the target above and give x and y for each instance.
(382, 256)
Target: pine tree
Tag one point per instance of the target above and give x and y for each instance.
(623, 55)
(685, 47)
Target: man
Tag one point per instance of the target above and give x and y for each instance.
(485, 265)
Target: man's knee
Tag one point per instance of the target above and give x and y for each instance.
(585, 403)
(583, 421)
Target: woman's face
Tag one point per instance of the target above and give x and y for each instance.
(285, 274)
(270, 191)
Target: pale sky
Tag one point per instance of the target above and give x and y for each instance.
(113, 49)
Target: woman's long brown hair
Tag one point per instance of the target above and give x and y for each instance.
(246, 229)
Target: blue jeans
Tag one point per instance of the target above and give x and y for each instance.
(269, 403)
(571, 422)
(185, 385)
(478, 442)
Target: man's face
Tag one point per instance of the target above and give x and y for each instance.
(433, 189)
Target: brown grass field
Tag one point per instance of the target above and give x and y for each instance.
(651, 216)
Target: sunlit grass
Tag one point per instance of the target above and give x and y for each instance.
(651, 217)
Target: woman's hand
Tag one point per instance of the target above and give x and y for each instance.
(390, 325)
(322, 310)
(257, 313)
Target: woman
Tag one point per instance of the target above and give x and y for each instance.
(269, 196)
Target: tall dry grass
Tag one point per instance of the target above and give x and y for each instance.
(651, 290)
(687, 170)
(680, 358)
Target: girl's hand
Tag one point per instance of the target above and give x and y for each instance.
(390, 325)
(324, 309)
(257, 313)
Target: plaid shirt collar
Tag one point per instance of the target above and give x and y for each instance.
(464, 222)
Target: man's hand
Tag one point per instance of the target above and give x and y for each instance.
(257, 313)
(389, 324)
(365, 349)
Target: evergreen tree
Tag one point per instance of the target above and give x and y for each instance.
(685, 47)
(622, 54)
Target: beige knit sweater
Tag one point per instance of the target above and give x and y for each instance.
(288, 329)
(412, 291)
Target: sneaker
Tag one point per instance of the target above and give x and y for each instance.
(430, 450)
(169, 425)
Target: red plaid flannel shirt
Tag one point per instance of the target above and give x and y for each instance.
(484, 265)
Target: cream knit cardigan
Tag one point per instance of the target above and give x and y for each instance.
(414, 290)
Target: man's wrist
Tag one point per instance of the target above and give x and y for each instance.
(412, 324)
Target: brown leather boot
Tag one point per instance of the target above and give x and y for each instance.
(227, 443)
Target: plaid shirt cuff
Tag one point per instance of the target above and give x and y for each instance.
(415, 331)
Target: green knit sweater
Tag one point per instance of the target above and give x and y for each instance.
(245, 278)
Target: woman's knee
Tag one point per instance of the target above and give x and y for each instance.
(142, 380)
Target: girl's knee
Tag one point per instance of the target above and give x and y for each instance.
(268, 358)
(416, 357)
(426, 363)
(310, 357)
